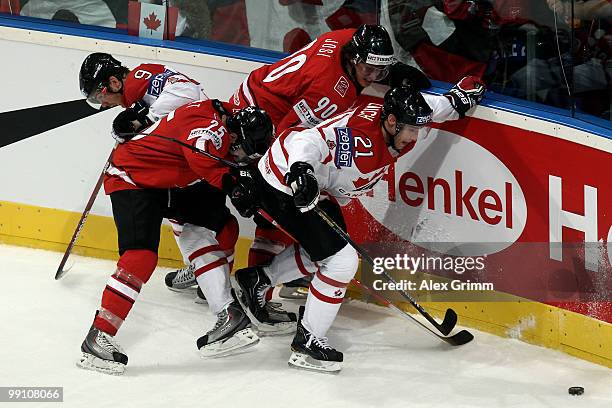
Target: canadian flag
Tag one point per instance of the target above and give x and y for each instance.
(152, 20)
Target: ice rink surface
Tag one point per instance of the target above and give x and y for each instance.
(388, 361)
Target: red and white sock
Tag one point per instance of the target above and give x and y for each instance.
(327, 290)
(211, 268)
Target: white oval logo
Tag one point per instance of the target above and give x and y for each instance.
(451, 196)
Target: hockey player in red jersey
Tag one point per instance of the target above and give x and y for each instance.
(321, 80)
(342, 158)
(151, 178)
(325, 77)
(159, 89)
(148, 92)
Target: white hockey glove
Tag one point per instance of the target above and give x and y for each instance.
(466, 94)
(303, 183)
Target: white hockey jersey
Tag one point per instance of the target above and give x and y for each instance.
(348, 152)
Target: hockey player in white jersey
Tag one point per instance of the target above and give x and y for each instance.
(328, 165)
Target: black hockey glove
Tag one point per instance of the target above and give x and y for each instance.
(242, 191)
(402, 74)
(130, 121)
(466, 94)
(302, 181)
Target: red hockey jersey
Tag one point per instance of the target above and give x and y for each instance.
(163, 89)
(304, 88)
(148, 161)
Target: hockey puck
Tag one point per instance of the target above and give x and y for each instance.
(576, 390)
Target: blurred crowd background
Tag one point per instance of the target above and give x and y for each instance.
(552, 53)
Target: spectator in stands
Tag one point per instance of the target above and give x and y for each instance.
(436, 34)
(583, 10)
(198, 21)
(592, 66)
(229, 22)
(93, 12)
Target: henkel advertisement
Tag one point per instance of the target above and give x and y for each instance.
(530, 211)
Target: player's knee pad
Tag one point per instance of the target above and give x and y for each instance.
(330, 282)
(135, 266)
(341, 266)
(199, 246)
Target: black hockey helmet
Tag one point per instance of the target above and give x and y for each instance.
(408, 105)
(254, 129)
(372, 45)
(96, 69)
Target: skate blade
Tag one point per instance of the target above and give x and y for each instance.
(241, 340)
(189, 289)
(305, 362)
(263, 329)
(200, 301)
(270, 330)
(293, 293)
(90, 362)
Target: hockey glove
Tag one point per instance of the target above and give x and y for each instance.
(242, 191)
(131, 121)
(402, 74)
(302, 181)
(466, 94)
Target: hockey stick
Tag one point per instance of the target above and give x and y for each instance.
(450, 318)
(92, 198)
(457, 339)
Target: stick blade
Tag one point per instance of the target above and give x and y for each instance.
(450, 320)
(459, 339)
(60, 273)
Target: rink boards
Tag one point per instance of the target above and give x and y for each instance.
(535, 183)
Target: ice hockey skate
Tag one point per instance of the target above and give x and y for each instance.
(200, 298)
(231, 333)
(313, 353)
(252, 286)
(182, 280)
(296, 289)
(101, 353)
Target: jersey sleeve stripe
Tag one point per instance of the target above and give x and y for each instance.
(276, 171)
(246, 91)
